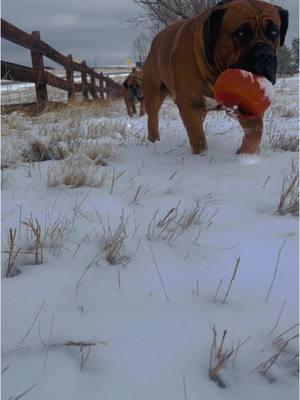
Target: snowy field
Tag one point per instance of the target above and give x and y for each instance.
(123, 261)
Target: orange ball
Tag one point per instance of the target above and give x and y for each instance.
(251, 93)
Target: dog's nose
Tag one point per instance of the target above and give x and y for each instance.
(263, 53)
(264, 61)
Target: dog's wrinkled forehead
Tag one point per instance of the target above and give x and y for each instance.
(255, 14)
(133, 80)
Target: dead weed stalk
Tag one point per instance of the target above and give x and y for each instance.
(289, 198)
(218, 358)
(175, 222)
(34, 228)
(114, 241)
(12, 253)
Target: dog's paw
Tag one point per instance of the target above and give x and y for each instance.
(248, 159)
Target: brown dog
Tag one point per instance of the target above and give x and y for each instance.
(133, 92)
(186, 58)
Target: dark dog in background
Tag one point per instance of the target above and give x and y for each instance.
(133, 92)
(187, 57)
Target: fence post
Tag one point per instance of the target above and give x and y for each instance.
(101, 87)
(93, 86)
(108, 91)
(85, 90)
(70, 77)
(38, 64)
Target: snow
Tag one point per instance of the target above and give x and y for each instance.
(263, 83)
(267, 87)
(156, 309)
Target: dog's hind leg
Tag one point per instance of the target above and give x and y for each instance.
(153, 102)
(193, 119)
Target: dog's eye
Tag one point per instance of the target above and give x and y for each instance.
(241, 34)
(271, 31)
(274, 33)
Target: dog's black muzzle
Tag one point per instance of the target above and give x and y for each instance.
(260, 60)
(135, 93)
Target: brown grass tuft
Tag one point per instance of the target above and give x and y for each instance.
(289, 198)
(218, 359)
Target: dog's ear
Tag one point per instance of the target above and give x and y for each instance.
(210, 32)
(125, 84)
(284, 18)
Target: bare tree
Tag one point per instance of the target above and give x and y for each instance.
(141, 47)
(158, 14)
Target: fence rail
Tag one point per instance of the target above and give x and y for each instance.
(97, 84)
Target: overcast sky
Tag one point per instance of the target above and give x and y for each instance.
(88, 29)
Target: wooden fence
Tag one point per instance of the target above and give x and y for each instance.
(97, 84)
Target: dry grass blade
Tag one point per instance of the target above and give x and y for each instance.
(279, 316)
(25, 392)
(218, 359)
(33, 322)
(35, 229)
(84, 350)
(240, 344)
(80, 280)
(159, 275)
(184, 387)
(5, 180)
(84, 356)
(76, 172)
(81, 343)
(232, 278)
(284, 142)
(276, 269)
(115, 178)
(141, 191)
(57, 233)
(12, 253)
(48, 345)
(114, 241)
(170, 216)
(5, 369)
(175, 222)
(218, 288)
(264, 367)
(289, 198)
(279, 337)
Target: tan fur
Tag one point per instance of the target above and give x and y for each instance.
(177, 65)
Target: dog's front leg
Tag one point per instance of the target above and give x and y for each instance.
(142, 108)
(193, 119)
(133, 107)
(128, 106)
(253, 130)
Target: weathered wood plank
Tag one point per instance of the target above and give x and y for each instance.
(26, 74)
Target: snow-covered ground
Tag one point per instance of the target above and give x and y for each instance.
(135, 268)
